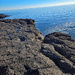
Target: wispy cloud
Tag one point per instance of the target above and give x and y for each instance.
(46, 5)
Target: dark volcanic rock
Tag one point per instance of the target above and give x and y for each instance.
(3, 16)
(62, 43)
(23, 52)
(58, 38)
(63, 53)
(64, 64)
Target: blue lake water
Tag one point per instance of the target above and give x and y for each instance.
(48, 19)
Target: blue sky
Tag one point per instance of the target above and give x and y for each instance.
(18, 4)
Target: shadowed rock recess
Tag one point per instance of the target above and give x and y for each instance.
(3, 16)
(24, 50)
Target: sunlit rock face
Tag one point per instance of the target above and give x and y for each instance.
(24, 50)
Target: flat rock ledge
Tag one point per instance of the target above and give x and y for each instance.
(24, 50)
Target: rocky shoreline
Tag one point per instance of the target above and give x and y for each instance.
(24, 50)
(3, 16)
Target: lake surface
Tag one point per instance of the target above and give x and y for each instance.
(48, 19)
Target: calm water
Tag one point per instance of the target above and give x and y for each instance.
(48, 19)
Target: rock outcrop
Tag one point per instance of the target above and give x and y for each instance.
(3, 16)
(63, 53)
(24, 50)
(62, 43)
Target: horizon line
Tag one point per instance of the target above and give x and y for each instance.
(49, 5)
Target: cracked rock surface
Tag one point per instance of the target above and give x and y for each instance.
(24, 50)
